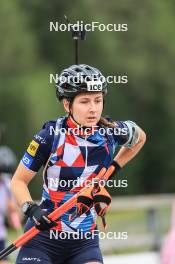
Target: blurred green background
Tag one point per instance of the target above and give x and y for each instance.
(145, 53)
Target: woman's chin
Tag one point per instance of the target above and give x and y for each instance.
(90, 124)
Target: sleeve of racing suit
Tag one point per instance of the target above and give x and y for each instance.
(39, 148)
(126, 133)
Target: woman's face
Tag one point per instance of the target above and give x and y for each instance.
(86, 108)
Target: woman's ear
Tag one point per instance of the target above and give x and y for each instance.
(66, 105)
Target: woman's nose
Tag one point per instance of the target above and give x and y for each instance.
(92, 106)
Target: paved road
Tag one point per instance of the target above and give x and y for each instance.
(140, 258)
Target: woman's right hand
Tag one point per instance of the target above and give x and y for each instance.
(39, 216)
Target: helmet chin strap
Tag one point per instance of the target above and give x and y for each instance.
(84, 127)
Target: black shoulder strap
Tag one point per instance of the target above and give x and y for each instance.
(58, 126)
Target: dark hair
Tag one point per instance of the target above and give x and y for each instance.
(105, 122)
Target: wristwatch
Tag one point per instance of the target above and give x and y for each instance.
(26, 206)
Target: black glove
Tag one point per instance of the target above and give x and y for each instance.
(42, 222)
(116, 165)
(117, 168)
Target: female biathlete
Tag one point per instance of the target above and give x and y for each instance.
(67, 157)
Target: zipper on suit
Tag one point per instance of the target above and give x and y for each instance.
(86, 152)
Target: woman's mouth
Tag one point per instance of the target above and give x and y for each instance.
(91, 118)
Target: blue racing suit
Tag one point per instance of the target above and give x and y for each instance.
(69, 158)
